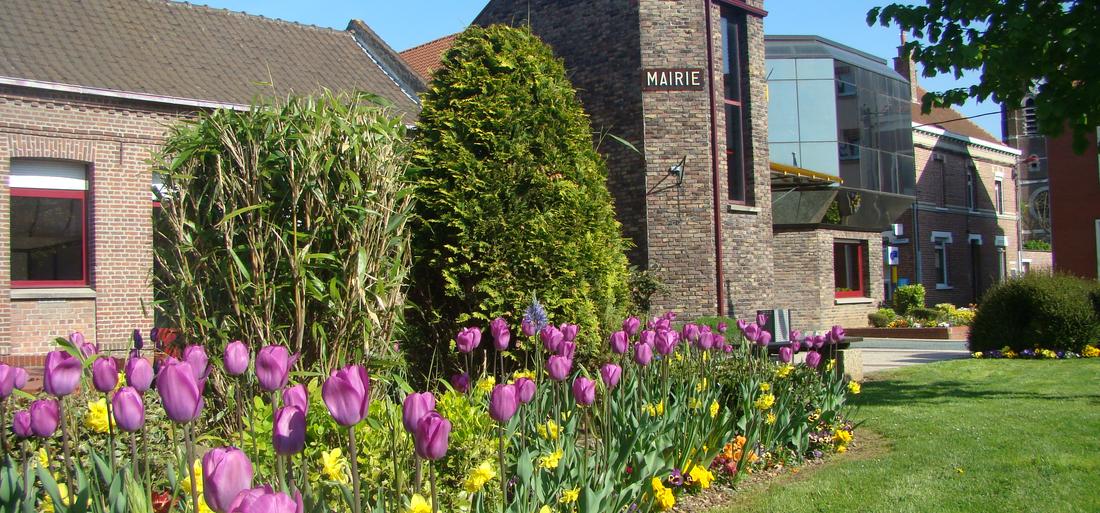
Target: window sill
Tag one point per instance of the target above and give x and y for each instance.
(940, 286)
(742, 209)
(853, 300)
(53, 293)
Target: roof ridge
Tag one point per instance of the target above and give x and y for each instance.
(436, 40)
(222, 10)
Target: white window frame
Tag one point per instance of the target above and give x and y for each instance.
(971, 187)
(998, 195)
(940, 241)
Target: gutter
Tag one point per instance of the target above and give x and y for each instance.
(714, 163)
(113, 93)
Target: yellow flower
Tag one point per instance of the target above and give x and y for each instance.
(333, 464)
(1090, 352)
(43, 458)
(679, 356)
(976, 354)
(665, 499)
(185, 483)
(545, 509)
(842, 436)
(523, 374)
(121, 381)
(63, 491)
(784, 370)
(842, 449)
(656, 484)
(695, 403)
(770, 419)
(654, 410)
(702, 476)
(569, 496)
(549, 431)
(765, 387)
(702, 385)
(713, 409)
(486, 384)
(478, 477)
(765, 402)
(854, 388)
(550, 461)
(832, 363)
(96, 419)
(419, 504)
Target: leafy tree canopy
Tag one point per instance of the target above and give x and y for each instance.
(1019, 46)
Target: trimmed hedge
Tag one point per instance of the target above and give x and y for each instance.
(908, 297)
(881, 318)
(1053, 311)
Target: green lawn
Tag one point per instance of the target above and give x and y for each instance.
(960, 436)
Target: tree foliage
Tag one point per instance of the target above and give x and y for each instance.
(512, 199)
(285, 225)
(1019, 46)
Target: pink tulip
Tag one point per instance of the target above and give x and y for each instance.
(786, 354)
(643, 354)
(631, 325)
(200, 363)
(551, 338)
(461, 382)
(415, 407)
(236, 358)
(139, 373)
(104, 374)
(501, 336)
(129, 409)
(432, 436)
(62, 373)
(690, 332)
(722, 327)
(21, 424)
(180, 393)
(288, 433)
(468, 339)
(619, 342)
(584, 391)
(266, 500)
(761, 319)
(837, 334)
(752, 332)
(503, 403)
(764, 339)
(558, 367)
(347, 394)
(813, 359)
(666, 342)
(21, 378)
(567, 349)
(525, 390)
(7, 380)
(706, 340)
(297, 396)
(226, 473)
(569, 332)
(45, 417)
(648, 337)
(528, 328)
(273, 365)
(611, 373)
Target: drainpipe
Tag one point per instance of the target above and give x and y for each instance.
(715, 183)
(916, 246)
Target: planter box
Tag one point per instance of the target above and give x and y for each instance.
(935, 333)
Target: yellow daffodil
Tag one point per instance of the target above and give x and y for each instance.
(486, 384)
(854, 388)
(701, 385)
(713, 409)
(96, 418)
(549, 430)
(764, 402)
(550, 461)
(63, 491)
(769, 419)
(831, 365)
(523, 374)
(419, 504)
(695, 403)
(478, 477)
(43, 458)
(569, 496)
(185, 483)
(784, 370)
(765, 387)
(701, 476)
(333, 464)
(545, 509)
(842, 436)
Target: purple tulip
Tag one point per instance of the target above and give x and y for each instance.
(569, 332)
(706, 340)
(795, 346)
(104, 374)
(559, 366)
(666, 342)
(200, 363)
(837, 333)
(528, 327)
(690, 332)
(7, 380)
(21, 424)
(648, 337)
(551, 338)
(415, 407)
(761, 319)
(347, 394)
(501, 336)
(819, 341)
(813, 359)
(643, 354)
(631, 325)
(786, 354)
(129, 410)
(180, 393)
(619, 342)
(87, 349)
(45, 416)
(21, 377)
(525, 390)
(139, 373)
(226, 473)
(503, 403)
(567, 349)
(265, 500)
(461, 382)
(431, 436)
(611, 373)
(288, 434)
(742, 325)
(297, 396)
(61, 374)
(236, 358)
(584, 391)
(273, 365)
(752, 332)
(722, 327)
(795, 335)
(468, 339)
(764, 339)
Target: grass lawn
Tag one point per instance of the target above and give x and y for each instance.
(959, 436)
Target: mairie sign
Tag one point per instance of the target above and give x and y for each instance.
(672, 79)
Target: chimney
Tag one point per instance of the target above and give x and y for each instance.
(905, 66)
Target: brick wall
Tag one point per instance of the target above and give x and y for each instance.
(115, 138)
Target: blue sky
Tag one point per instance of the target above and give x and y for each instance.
(407, 23)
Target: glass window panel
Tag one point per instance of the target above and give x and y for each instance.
(906, 175)
(47, 238)
(735, 158)
(888, 172)
(782, 111)
(849, 172)
(731, 53)
(821, 157)
(868, 168)
(809, 69)
(779, 69)
(816, 110)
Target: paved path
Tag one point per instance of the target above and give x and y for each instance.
(882, 354)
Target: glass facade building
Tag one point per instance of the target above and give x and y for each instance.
(839, 111)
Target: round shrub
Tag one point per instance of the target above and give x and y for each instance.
(924, 314)
(881, 318)
(908, 297)
(512, 198)
(1051, 311)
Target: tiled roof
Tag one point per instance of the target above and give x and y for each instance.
(428, 57)
(950, 120)
(178, 50)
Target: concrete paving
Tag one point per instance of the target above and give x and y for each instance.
(881, 354)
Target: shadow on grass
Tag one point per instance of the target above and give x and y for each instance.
(891, 392)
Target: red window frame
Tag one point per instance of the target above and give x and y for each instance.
(59, 194)
(862, 280)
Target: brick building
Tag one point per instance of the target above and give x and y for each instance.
(1075, 205)
(961, 235)
(87, 91)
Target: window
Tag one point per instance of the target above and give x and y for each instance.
(941, 264)
(733, 64)
(48, 224)
(849, 268)
(998, 197)
(971, 179)
(943, 181)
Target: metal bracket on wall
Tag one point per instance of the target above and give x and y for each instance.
(677, 170)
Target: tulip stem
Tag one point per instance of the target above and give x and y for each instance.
(134, 454)
(398, 490)
(503, 476)
(435, 492)
(65, 442)
(189, 461)
(110, 432)
(26, 469)
(4, 425)
(353, 456)
(145, 460)
(419, 475)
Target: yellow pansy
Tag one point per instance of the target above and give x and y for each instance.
(478, 477)
(1090, 352)
(333, 464)
(550, 461)
(764, 402)
(570, 496)
(842, 436)
(96, 418)
(419, 504)
(43, 458)
(854, 388)
(679, 356)
(656, 484)
(713, 409)
(665, 499)
(701, 476)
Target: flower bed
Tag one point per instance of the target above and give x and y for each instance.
(668, 411)
(1090, 351)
